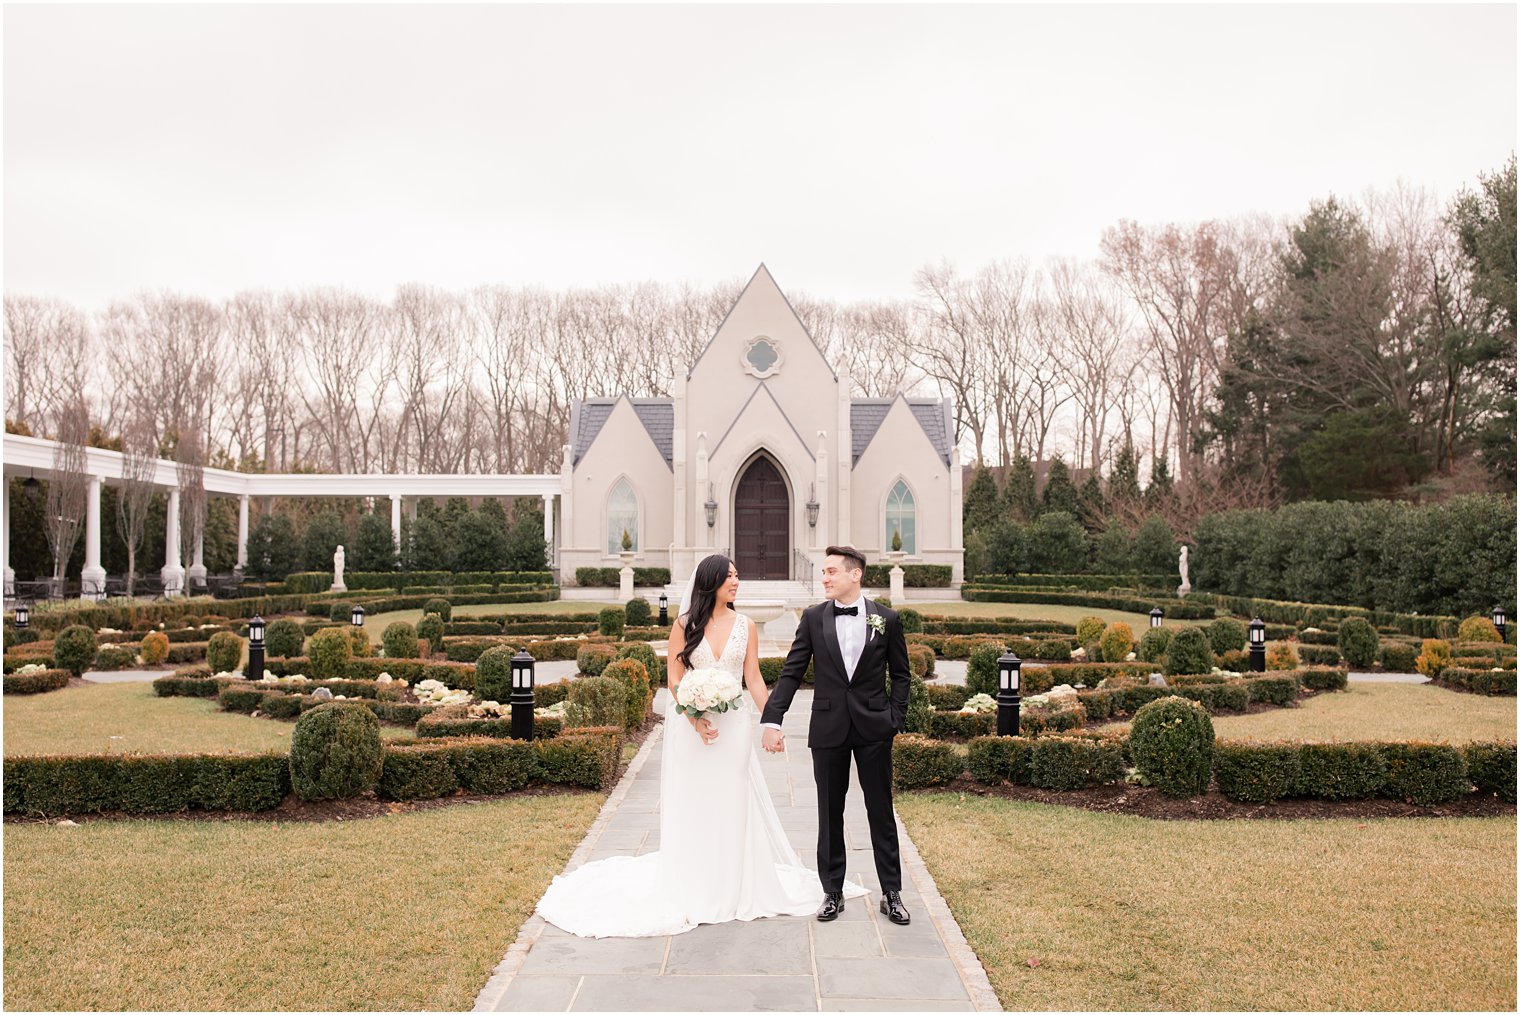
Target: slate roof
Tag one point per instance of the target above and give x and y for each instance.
(587, 418)
(867, 414)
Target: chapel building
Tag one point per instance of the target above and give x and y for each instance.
(761, 455)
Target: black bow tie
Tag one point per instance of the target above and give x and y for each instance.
(846, 611)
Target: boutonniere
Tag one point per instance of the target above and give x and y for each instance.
(877, 623)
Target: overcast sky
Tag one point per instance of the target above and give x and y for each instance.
(208, 149)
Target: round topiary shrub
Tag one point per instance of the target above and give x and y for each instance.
(74, 649)
(1089, 629)
(920, 710)
(284, 638)
(610, 620)
(982, 669)
(358, 640)
(596, 701)
(1117, 642)
(340, 610)
(1227, 635)
(1172, 743)
(1358, 642)
(335, 751)
(1396, 656)
(493, 674)
(114, 657)
(399, 641)
(1189, 651)
(1153, 644)
(921, 661)
(430, 629)
(635, 680)
(154, 648)
(330, 652)
(1478, 629)
(911, 620)
(440, 606)
(224, 652)
(1281, 656)
(591, 660)
(653, 664)
(637, 613)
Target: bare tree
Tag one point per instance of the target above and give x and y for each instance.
(1091, 330)
(139, 463)
(949, 349)
(68, 486)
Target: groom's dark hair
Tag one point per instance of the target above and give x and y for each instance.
(851, 554)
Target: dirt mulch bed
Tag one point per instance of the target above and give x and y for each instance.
(1149, 802)
(293, 808)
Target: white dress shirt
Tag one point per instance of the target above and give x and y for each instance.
(852, 639)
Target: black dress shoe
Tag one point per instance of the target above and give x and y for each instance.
(892, 906)
(833, 905)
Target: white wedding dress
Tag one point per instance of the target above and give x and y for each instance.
(723, 854)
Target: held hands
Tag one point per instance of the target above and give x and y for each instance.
(773, 740)
(705, 729)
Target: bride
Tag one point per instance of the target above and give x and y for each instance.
(723, 854)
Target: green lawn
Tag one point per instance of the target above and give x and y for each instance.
(1378, 711)
(116, 718)
(1075, 910)
(403, 912)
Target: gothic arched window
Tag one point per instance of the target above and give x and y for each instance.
(622, 516)
(901, 518)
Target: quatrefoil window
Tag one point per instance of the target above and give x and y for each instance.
(762, 357)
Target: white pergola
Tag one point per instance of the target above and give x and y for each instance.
(33, 456)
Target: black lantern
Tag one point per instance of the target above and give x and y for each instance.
(356, 618)
(1008, 695)
(255, 649)
(1156, 616)
(522, 695)
(812, 507)
(712, 508)
(1256, 635)
(664, 609)
(22, 617)
(1499, 621)
(32, 488)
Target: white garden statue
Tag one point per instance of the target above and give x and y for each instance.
(337, 585)
(1182, 569)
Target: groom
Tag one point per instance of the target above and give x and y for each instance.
(853, 644)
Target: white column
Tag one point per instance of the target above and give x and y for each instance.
(172, 573)
(5, 537)
(957, 541)
(197, 556)
(549, 526)
(396, 520)
(820, 535)
(242, 557)
(92, 579)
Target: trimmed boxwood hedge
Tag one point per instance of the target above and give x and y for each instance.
(1489, 682)
(1491, 767)
(1129, 604)
(51, 786)
(607, 577)
(919, 761)
(36, 683)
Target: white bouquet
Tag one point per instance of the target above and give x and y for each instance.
(707, 691)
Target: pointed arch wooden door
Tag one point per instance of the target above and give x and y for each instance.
(762, 530)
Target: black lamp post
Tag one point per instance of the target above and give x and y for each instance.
(1256, 633)
(23, 617)
(1156, 616)
(255, 649)
(522, 695)
(1499, 621)
(664, 609)
(356, 618)
(1008, 695)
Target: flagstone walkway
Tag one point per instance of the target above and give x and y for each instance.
(860, 962)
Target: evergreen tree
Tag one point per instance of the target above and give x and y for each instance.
(480, 543)
(1090, 499)
(273, 551)
(1060, 494)
(1155, 547)
(1008, 548)
(1019, 500)
(374, 546)
(979, 504)
(1124, 479)
(526, 549)
(1113, 551)
(1057, 544)
(1160, 489)
(427, 546)
(325, 533)
(218, 538)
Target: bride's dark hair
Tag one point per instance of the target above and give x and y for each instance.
(711, 573)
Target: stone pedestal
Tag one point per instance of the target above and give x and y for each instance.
(337, 587)
(1184, 589)
(895, 583)
(625, 578)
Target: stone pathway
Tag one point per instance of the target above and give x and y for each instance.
(861, 962)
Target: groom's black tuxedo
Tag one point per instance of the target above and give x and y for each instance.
(852, 715)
